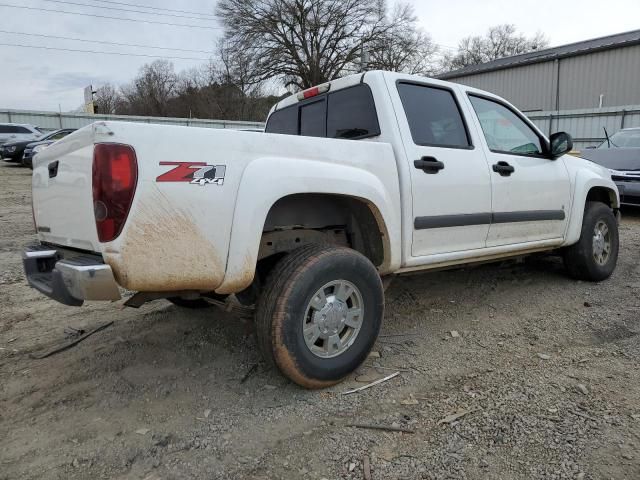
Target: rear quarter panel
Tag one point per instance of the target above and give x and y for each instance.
(176, 235)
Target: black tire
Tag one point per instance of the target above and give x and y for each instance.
(194, 304)
(579, 258)
(283, 304)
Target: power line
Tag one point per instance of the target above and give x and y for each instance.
(104, 42)
(111, 18)
(155, 8)
(101, 52)
(132, 11)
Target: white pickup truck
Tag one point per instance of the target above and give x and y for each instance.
(302, 223)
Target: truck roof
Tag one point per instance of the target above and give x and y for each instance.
(344, 82)
(336, 84)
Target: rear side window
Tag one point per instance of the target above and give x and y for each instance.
(5, 129)
(347, 113)
(352, 114)
(434, 116)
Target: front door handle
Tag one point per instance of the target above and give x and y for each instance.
(503, 168)
(428, 165)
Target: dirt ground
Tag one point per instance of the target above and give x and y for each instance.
(543, 377)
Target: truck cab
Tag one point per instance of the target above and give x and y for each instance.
(477, 177)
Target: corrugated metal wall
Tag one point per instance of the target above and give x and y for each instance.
(531, 87)
(53, 120)
(614, 73)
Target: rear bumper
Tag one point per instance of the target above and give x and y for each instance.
(69, 280)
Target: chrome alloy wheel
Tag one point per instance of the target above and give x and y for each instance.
(601, 243)
(333, 319)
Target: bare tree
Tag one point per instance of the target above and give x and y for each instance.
(224, 88)
(403, 47)
(107, 99)
(153, 88)
(499, 41)
(304, 42)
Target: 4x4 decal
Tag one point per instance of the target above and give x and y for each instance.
(195, 173)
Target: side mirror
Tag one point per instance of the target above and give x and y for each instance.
(561, 143)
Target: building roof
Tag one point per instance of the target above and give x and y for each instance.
(579, 48)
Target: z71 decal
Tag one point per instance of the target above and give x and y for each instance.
(196, 173)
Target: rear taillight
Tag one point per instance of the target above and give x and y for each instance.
(115, 175)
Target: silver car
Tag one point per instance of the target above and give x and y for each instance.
(14, 132)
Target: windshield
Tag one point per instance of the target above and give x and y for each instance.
(48, 135)
(623, 139)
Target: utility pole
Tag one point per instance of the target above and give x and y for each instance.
(364, 58)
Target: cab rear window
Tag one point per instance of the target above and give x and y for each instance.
(347, 113)
(284, 121)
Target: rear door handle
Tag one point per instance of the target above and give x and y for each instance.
(428, 165)
(503, 168)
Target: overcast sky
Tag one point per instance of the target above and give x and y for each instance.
(42, 79)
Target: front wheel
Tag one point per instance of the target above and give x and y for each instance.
(594, 256)
(319, 314)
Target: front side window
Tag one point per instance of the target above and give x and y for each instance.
(22, 130)
(505, 131)
(434, 117)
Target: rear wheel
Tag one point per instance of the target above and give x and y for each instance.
(595, 255)
(319, 314)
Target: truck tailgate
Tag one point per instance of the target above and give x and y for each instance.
(62, 192)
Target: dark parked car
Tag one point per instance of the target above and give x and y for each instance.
(620, 153)
(12, 152)
(34, 147)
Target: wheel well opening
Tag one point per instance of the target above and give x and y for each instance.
(300, 219)
(604, 195)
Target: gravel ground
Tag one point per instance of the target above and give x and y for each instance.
(507, 371)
